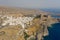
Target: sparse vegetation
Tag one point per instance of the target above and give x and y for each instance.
(37, 26)
(26, 35)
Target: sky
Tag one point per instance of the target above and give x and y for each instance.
(31, 3)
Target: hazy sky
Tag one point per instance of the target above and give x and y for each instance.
(31, 3)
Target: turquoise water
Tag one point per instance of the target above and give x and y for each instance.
(54, 32)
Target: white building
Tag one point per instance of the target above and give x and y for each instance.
(15, 21)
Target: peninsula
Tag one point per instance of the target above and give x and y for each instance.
(24, 24)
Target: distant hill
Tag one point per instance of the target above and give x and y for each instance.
(22, 10)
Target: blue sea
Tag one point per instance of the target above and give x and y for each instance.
(54, 31)
(52, 10)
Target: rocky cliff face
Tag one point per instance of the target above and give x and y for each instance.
(22, 24)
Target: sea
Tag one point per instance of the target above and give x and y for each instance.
(54, 31)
